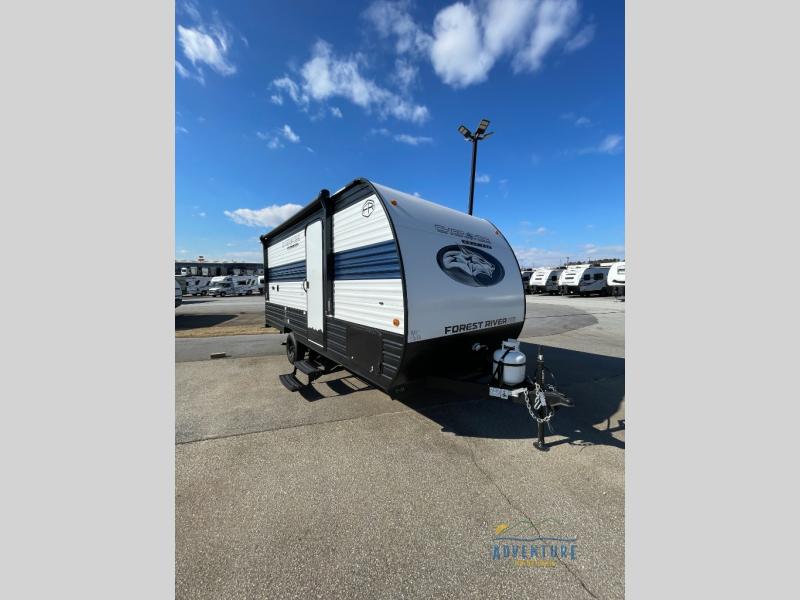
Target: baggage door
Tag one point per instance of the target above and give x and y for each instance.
(314, 283)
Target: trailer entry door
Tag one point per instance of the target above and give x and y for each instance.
(314, 283)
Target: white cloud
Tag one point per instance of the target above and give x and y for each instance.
(327, 76)
(468, 39)
(285, 84)
(211, 49)
(611, 144)
(581, 39)
(482, 178)
(405, 73)
(336, 112)
(269, 216)
(457, 52)
(412, 140)
(577, 120)
(181, 129)
(392, 18)
(538, 257)
(610, 251)
(190, 9)
(290, 135)
(204, 44)
(582, 121)
(276, 99)
(554, 22)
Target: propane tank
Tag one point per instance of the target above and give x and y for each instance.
(513, 360)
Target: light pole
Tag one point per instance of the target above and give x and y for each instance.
(480, 134)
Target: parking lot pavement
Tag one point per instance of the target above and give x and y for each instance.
(594, 324)
(234, 346)
(344, 491)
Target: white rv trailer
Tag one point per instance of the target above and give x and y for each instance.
(616, 278)
(584, 280)
(388, 285)
(526, 280)
(178, 294)
(545, 281)
(260, 284)
(197, 286)
(232, 285)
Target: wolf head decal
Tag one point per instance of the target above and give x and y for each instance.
(470, 266)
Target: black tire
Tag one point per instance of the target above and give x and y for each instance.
(222, 294)
(249, 292)
(294, 350)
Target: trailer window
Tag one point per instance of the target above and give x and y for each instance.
(587, 277)
(598, 276)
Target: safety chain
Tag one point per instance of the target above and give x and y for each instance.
(539, 403)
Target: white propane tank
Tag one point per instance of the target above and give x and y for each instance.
(513, 363)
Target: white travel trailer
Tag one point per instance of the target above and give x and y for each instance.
(388, 285)
(197, 286)
(526, 280)
(178, 294)
(232, 285)
(616, 278)
(260, 284)
(584, 280)
(545, 281)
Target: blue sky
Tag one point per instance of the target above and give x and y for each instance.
(277, 100)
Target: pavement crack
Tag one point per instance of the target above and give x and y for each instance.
(298, 425)
(496, 486)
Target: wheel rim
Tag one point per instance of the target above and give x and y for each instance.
(290, 351)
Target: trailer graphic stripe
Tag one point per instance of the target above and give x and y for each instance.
(295, 271)
(376, 261)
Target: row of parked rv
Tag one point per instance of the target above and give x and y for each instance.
(603, 279)
(224, 285)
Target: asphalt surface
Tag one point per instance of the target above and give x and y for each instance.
(341, 491)
(591, 324)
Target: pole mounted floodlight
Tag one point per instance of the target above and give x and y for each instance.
(480, 134)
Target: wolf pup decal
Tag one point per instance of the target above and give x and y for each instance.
(470, 266)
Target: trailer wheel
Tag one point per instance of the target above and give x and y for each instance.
(294, 350)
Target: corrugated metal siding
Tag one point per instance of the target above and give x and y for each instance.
(282, 317)
(288, 250)
(370, 302)
(351, 229)
(336, 332)
(289, 293)
(376, 261)
(391, 356)
(295, 271)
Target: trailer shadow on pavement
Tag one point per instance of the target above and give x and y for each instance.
(594, 382)
(199, 321)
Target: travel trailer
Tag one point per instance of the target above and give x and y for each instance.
(389, 286)
(526, 280)
(545, 281)
(178, 294)
(197, 286)
(232, 285)
(260, 284)
(584, 280)
(616, 278)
